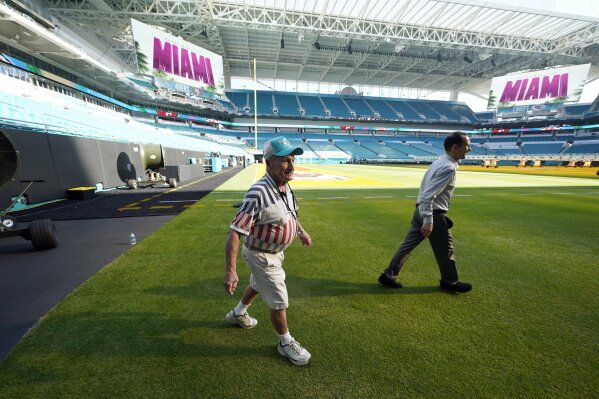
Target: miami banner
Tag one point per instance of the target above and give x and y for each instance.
(555, 85)
(166, 56)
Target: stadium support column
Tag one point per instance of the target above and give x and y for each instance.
(255, 107)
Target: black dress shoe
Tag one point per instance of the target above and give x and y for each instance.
(458, 286)
(387, 281)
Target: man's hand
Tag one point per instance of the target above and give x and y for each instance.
(231, 281)
(305, 238)
(426, 230)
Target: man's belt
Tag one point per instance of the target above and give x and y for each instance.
(253, 248)
(436, 210)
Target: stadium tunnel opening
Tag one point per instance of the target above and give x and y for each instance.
(8, 160)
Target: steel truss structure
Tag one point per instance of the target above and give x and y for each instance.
(453, 45)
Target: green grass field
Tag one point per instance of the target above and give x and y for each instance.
(151, 324)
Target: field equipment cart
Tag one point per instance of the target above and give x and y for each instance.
(41, 233)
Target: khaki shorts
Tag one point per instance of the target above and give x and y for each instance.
(268, 276)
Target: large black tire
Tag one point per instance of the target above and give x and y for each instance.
(8, 222)
(43, 234)
(172, 182)
(132, 184)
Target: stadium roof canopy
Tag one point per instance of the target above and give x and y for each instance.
(431, 44)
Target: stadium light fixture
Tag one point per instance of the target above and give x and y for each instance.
(484, 56)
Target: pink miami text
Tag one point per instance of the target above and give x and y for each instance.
(538, 87)
(182, 62)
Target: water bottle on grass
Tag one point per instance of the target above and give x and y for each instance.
(132, 239)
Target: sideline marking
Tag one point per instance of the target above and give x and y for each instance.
(133, 207)
(382, 196)
(331, 198)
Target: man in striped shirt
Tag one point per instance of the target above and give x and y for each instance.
(430, 218)
(269, 222)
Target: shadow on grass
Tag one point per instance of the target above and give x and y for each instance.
(298, 287)
(301, 287)
(139, 334)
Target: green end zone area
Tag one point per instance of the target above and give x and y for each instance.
(151, 324)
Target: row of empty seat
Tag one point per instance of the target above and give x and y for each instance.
(575, 111)
(343, 107)
(39, 109)
(402, 147)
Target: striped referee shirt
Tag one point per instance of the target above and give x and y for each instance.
(267, 217)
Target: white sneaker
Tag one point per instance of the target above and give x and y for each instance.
(294, 352)
(243, 320)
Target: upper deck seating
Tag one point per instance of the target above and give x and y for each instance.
(359, 107)
(312, 106)
(577, 109)
(485, 116)
(265, 103)
(406, 111)
(423, 108)
(384, 110)
(336, 106)
(241, 100)
(287, 104)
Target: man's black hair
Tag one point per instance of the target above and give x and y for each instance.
(458, 138)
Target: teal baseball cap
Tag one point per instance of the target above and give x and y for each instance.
(280, 147)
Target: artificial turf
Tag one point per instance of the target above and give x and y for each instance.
(151, 324)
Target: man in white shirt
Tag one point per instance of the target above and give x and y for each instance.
(430, 218)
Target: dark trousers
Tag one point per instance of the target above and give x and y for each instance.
(441, 241)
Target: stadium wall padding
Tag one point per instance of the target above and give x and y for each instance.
(65, 162)
(34, 162)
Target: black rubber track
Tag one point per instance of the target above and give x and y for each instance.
(115, 203)
(91, 235)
